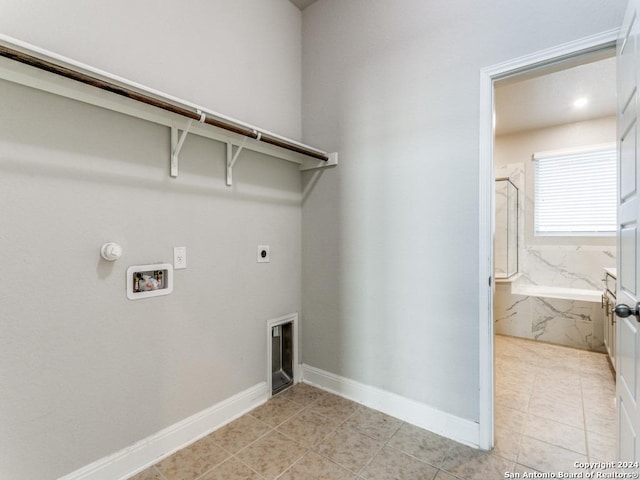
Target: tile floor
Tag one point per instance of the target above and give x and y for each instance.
(554, 406)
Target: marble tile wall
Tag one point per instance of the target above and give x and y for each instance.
(574, 266)
(565, 322)
(572, 323)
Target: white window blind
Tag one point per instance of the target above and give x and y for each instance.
(575, 192)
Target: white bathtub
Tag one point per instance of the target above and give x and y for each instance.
(565, 316)
(585, 295)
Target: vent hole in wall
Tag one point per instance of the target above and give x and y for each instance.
(282, 337)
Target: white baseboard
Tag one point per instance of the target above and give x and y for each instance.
(411, 411)
(150, 450)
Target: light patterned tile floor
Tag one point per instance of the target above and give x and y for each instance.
(563, 412)
(554, 407)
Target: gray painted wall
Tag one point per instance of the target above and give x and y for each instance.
(237, 57)
(84, 371)
(390, 237)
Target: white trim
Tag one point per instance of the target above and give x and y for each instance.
(411, 411)
(146, 452)
(486, 221)
(293, 318)
(23, 74)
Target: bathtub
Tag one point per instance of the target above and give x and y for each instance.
(583, 295)
(565, 316)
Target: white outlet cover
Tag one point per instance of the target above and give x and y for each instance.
(179, 258)
(264, 254)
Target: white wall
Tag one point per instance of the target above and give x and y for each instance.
(84, 372)
(390, 237)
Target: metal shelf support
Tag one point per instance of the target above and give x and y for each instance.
(232, 158)
(176, 143)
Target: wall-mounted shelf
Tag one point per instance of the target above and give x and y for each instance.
(38, 68)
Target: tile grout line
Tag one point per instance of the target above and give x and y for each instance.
(275, 429)
(340, 424)
(584, 422)
(379, 450)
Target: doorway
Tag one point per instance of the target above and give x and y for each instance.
(531, 65)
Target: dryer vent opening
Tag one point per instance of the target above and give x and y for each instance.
(281, 356)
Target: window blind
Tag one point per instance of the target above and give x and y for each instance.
(575, 192)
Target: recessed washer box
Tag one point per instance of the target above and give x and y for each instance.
(144, 281)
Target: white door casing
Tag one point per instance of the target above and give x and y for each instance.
(485, 205)
(627, 337)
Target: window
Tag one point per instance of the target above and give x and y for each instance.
(575, 192)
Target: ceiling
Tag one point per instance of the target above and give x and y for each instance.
(302, 4)
(547, 99)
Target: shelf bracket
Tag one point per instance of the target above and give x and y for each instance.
(176, 143)
(311, 164)
(232, 158)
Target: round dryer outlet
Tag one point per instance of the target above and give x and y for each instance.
(264, 254)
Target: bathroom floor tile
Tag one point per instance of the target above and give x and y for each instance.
(561, 435)
(602, 422)
(506, 443)
(602, 448)
(545, 457)
(518, 400)
(521, 470)
(509, 419)
(573, 392)
(552, 408)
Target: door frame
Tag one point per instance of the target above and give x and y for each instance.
(486, 212)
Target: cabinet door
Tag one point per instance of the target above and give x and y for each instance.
(607, 319)
(611, 333)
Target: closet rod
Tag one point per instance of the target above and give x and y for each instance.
(139, 97)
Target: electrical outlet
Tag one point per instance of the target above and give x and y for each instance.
(264, 254)
(179, 258)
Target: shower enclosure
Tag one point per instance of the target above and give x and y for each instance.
(506, 236)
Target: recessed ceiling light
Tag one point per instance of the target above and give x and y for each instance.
(580, 102)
